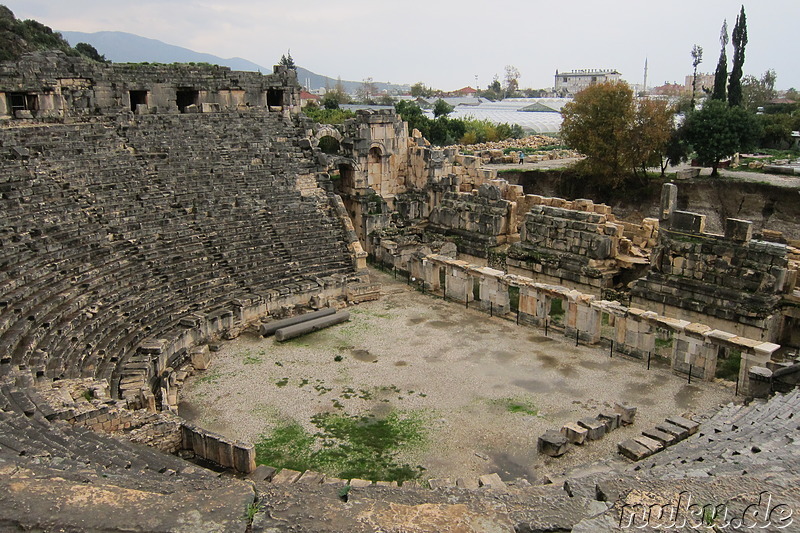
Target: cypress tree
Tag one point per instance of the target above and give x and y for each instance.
(721, 74)
(739, 40)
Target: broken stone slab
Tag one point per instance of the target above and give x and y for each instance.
(689, 425)
(626, 412)
(263, 473)
(310, 477)
(441, 483)
(334, 481)
(633, 450)
(611, 420)
(286, 476)
(356, 482)
(491, 481)
(667, 439)
(552, 443)
(201, 357)
(596, 428)
(653, 445)
(679, 432)
(386, 483)
(467, 483)
(574, 433)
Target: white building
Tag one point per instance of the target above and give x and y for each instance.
(570, 83)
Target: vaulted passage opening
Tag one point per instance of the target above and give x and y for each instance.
(137, 98)
(22, 102)
(186, 97)
(274, 98)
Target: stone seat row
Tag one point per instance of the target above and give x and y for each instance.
(756, 438)
(654, 440)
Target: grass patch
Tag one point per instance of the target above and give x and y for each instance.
(728, 368)
(282, 382)
(346, 446)
(517, 405)
(663, 343)
(210, 377)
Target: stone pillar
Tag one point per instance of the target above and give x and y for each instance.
(459, 284)
(590, 322)
(494, 293)
(431, 275)
(669, 202)
(758, 356)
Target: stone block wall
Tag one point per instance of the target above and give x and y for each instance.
(477, 221)
(575, 241)
(733, 278)
(58, 86)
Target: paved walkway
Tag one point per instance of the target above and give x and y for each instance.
(778, 180)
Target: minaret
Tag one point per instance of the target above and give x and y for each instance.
(644, 85)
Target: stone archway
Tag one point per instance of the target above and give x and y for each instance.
(375, 168)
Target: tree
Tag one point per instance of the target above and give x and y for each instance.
(90, 51)
(649, 133)
(367, 91)
(721, 74)
(739, 39)
(287, 61)
(716, 131)
(697, 58)
(335, 97)
(419, 89)
(442, 108)
(511, 80)
(758, 92)
(597, 124)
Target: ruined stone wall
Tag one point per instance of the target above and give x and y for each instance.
(576, 243)
(121, 232)
(476, 221)
(732, 278)
(58, 86)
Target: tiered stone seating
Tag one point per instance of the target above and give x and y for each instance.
(735, 441)
(111, 232)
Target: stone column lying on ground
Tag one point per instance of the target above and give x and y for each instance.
(290, 332)
(268, 329)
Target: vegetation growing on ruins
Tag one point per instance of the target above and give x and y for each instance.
(327, 116)
(346, 446)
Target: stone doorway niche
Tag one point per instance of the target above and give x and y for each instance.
(375, 168)
(137, 98)
(274, 97)
(22, 102)
(186, 97)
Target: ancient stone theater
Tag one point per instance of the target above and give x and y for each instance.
(151, 213)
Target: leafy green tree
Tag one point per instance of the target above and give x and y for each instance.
(442, 108)
(739, 40)
(597, 124)
(758, 92)
(414, 116)
(90, 51)
(717, 131)
(721, 74)
(419, 89)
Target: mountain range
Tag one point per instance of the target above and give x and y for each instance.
(122, 47)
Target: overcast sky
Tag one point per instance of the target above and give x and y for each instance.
(446, 43)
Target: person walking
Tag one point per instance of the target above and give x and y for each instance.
(521, 157)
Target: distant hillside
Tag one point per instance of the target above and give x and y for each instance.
(121, 47)
(21, 36)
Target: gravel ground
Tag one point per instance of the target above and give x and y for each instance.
(457, 368)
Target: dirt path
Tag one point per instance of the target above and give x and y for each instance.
(458, 369)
